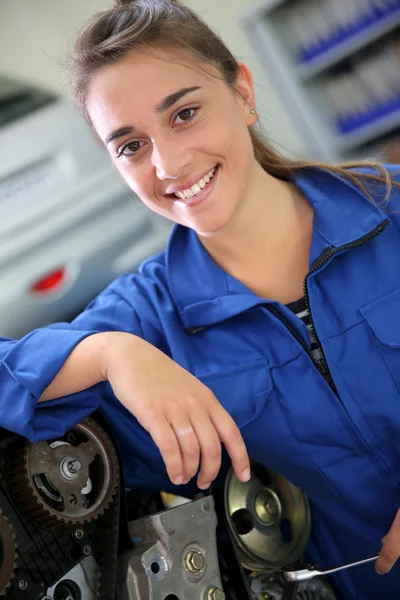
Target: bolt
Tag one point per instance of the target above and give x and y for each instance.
(73, 500)
(265, 596)
(78, 533)
(73, 466)
(22, 584)
(214, 593)
(87, 551)
(271, 507)
(194, 561)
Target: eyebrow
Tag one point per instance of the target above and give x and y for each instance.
(172, 98)
(160, 108)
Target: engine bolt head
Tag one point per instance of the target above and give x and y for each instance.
(78, 533)
(73, 466)
(214, 593)
(87, 551)
(22, 584)
(271, 507)
(194, 561)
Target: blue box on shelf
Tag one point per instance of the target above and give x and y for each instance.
(346, 126)
(364, 24)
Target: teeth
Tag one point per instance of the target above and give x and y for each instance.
(197, 187)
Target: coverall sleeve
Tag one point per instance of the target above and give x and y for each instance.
(28, 365)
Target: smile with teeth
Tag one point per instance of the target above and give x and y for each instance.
(197, 187)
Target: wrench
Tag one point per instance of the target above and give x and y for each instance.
(305, 571)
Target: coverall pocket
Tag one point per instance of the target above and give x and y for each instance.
(242, 391)
(383, 318)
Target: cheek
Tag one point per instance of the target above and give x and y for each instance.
(233, 136)
(137, 181)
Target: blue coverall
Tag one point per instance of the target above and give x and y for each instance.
(340, 445)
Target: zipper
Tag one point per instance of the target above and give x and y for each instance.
(325, 257)
(320, 262)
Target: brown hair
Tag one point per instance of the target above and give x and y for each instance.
(110, 35)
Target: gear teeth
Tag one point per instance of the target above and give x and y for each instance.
(34, 505)
(7, 571)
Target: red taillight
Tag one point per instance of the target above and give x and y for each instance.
(50, 282)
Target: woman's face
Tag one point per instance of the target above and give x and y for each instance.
(178, 135)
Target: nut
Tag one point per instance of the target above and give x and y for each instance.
(194, 562)
(214, 593)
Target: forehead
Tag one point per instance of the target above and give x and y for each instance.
(137, 83)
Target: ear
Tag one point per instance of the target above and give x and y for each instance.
(245, 88)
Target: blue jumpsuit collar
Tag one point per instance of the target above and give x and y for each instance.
(205, 294)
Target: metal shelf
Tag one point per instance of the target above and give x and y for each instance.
(302, 93)
(369, 131)
(349, 46)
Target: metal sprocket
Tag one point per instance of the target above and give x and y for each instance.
(69, 481)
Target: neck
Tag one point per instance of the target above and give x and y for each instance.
(268, 238)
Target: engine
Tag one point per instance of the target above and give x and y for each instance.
(69, 530)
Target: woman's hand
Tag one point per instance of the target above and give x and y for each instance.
(390, 551)
(182, 415)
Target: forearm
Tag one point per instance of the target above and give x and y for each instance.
(85, 366)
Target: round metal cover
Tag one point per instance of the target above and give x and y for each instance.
(269, 518)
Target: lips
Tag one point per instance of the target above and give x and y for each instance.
(201, 196)
(192, 186)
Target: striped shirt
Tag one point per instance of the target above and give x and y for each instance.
(299, 308)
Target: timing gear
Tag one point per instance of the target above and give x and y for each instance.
(69, 481)
(7, 554)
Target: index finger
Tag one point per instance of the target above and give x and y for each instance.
(390, 551)
(229, 434)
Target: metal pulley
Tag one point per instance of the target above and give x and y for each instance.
(269, 519)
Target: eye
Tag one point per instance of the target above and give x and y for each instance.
(186, 114)
(129, 149)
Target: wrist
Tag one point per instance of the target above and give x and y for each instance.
(112, 346)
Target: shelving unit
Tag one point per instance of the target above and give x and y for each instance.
(336, 66)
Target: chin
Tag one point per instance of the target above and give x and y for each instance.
(210, 227)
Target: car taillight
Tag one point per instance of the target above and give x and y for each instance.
(50, 282)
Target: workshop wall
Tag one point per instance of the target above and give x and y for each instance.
(35, 34)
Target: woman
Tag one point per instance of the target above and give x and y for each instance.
(208, 344)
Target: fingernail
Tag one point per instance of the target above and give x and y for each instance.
(185, 482)
(246, 475)
(204, 486)
(178, 480)
(379, 572)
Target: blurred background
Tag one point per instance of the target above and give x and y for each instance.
(327, 76)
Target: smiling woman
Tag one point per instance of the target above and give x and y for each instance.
(172, 136)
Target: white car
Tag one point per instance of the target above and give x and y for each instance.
(68, 223)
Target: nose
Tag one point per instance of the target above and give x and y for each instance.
(169, 159)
